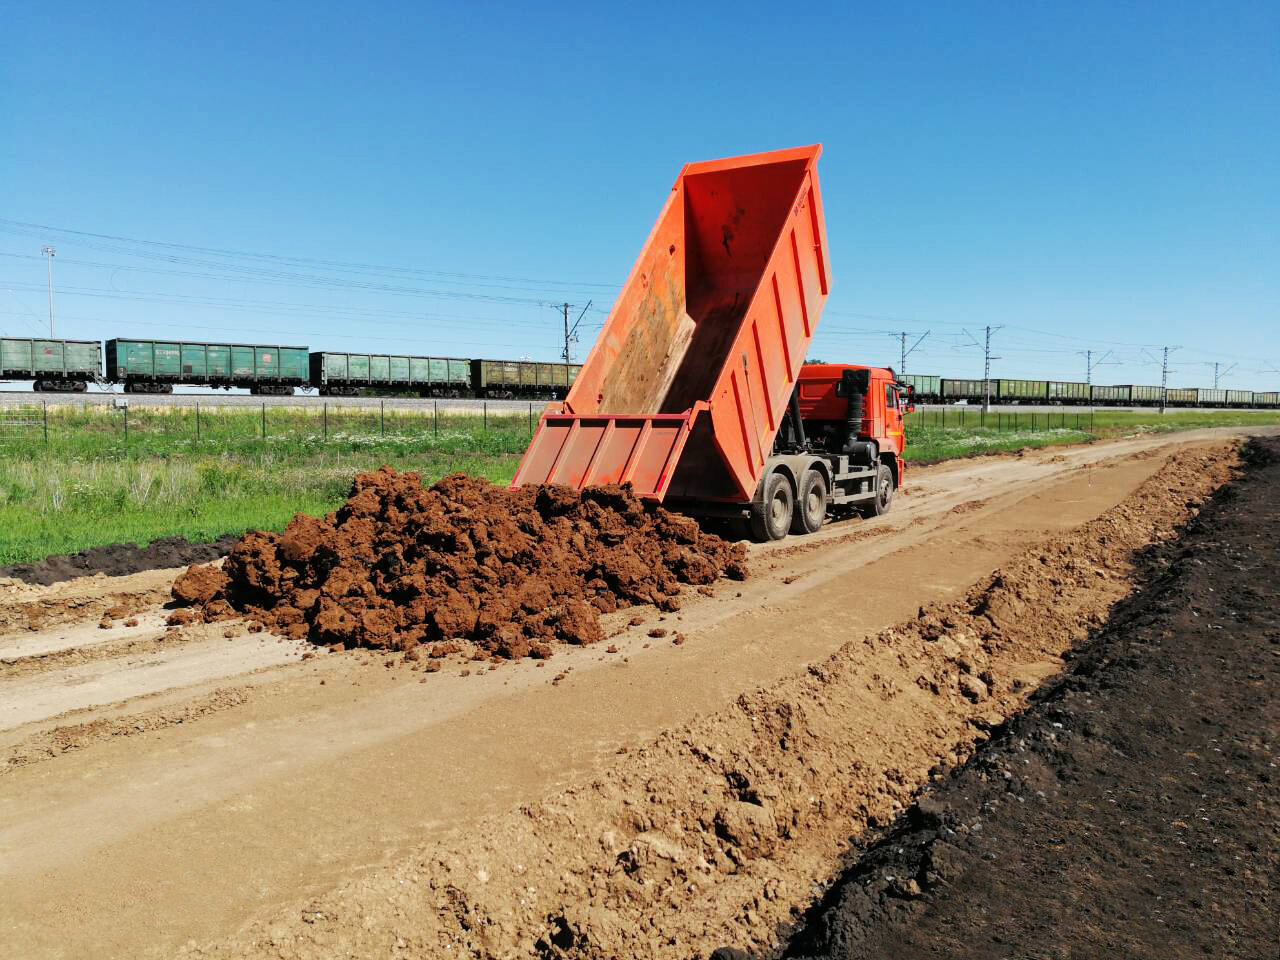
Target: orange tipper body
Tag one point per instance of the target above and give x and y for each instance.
(691, 376)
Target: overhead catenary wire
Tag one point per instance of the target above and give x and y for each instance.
(230, 264)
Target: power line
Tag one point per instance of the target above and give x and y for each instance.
(305, 280)
(20, 227)
(265, 306)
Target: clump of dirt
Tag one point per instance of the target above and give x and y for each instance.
(513, 571)
(199, 584)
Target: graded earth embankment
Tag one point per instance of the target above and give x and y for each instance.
(727, 829)
(1132, 810)
(402, 566)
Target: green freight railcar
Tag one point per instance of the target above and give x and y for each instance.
(926, 386)
(1020, 391)
(1239, 398)
(954, 389)
(154, 366)
(522, 378)
(1144, 395)
(1068, 392)
(62, 366)
(1210, 397)
(1181, 397)
(1111, 395)
(344, 374)
(1267, 399)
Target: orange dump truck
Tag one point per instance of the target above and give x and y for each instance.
(696, 392)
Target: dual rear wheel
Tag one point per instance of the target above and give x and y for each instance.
(782, 510)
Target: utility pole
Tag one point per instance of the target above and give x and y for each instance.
(49, 252)
(1090, 363)
(902, 362)
(986, 369)
(1223, 373)
(566, 353)
(986, 361)
(571, 333)
(1164, 378)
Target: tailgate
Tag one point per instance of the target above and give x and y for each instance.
(583, 450)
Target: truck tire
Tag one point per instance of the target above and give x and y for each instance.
(811, 503)
(771, 515)
(884, 493)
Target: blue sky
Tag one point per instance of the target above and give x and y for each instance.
(1089, 175)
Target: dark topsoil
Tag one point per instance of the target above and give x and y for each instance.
(119, 559)
(1133, 810)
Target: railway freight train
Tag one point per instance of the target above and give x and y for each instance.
(157, 366)
(934, 389)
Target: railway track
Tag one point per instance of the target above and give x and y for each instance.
(19, 398)
(24, 398)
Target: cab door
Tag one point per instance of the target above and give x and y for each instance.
(893, 423)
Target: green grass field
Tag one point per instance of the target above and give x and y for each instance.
(90, 484)
(937, 435)
(93, 482)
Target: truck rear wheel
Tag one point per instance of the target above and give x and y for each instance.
(884, 493)
(771, 515)
(811, 504)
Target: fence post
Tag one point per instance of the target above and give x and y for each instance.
(126, 427)
(197, 421)
(486, 416)
(435, 405)
(531, 419)
(326, 419)
(264, 419)
(382, 417)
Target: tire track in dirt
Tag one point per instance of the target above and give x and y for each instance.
(725, 829)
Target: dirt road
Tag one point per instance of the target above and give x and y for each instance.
(166, 787)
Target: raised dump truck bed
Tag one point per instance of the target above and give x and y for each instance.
(694, 369)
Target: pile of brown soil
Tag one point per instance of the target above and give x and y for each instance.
(400, 565)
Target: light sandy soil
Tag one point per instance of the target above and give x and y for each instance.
(168, 787)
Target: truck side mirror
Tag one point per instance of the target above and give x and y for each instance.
(911, 399)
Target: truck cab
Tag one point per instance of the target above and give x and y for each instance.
(839, 449)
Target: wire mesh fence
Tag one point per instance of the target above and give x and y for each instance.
(117, 425)
(961, 418)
